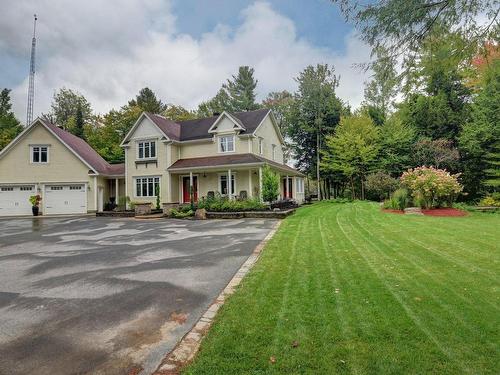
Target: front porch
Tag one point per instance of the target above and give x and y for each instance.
(244, 183)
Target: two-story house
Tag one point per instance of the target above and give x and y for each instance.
(221, 154)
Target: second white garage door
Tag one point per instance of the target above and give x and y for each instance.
(65, 199)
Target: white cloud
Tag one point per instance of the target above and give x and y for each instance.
(109, 50)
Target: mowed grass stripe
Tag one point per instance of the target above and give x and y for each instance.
(374, 323)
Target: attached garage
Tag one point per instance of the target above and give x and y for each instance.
(14, 200)
(65, 199)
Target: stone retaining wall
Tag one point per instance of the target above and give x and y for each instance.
(250, 214)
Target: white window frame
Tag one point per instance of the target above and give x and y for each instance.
(40, 147)
(145, 179)
(299, 185)
(220, 140)
(143, 145)
(261, 146)
(274, 151)
(233, 179)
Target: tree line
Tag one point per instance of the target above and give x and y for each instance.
(433, 99)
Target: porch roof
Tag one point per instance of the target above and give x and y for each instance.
(228, 161)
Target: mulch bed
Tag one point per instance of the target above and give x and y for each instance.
(444, 212)
(441, 212)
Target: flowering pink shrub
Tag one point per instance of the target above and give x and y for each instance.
(431, 187)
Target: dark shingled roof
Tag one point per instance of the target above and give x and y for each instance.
(87, 153)
(225, 160)
(198, 129)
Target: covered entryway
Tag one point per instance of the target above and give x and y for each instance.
(185, 189)
(65, 199)
(14, 200)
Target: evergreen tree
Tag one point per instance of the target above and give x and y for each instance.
(480, 139)
(219, 103)
(147, 101)
(241, 90)
(10, 126)
(79, 124)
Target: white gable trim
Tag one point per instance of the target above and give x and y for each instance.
(270, 114)
(136, 124)
(228, 115)
(28, 129)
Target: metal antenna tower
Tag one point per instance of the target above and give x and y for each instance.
(31, 86)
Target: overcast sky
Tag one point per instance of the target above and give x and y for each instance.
(182, 49)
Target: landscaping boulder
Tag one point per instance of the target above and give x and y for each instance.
(413, 211)
(200, 214)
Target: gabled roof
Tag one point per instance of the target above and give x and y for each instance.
(170, 128)
(78, 146)
(199, 128)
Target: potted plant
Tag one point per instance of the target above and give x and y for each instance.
(35, 203)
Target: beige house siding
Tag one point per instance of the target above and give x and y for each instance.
(63, 165)
(269, 136)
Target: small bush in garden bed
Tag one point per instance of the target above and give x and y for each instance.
(223, 204)
(490, 201)
(181, 212)
(431, 187)
(399, 200)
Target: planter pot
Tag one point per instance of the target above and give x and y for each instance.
(35, 210)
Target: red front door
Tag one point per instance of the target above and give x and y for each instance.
(185, 189)
(287, 193)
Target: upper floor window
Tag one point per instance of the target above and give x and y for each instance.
(39, 154)
(146, 150)
(274, 152)
(226, 143)
(261, 146)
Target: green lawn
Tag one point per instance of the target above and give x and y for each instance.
(365, 292)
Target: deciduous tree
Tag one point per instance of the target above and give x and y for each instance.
(10, 126)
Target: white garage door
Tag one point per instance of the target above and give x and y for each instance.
(14, 200)
(65, 199)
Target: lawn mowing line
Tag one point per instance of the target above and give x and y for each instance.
(407, 310)
(286, 291)
(465, 265)
(341, 312)
(419, 285)
(455, 227)
(473, 278)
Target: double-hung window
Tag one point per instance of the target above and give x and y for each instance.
(146, 186)
(40, 154)
(146, 150)
(224, 186)
(226, 143)
(300, 185)
(261, 146)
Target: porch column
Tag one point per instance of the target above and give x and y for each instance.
(191, 191)
(96, 205)
(286, 187)
(116, 191)
(229, 185)
(250, 193)
(260, 183)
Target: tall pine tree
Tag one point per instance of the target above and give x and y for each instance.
(10, 127)
(241, 90)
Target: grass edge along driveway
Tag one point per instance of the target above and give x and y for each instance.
(346, 288)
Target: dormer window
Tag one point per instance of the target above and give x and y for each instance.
(226, 143)
(146, 150)
(39, 154)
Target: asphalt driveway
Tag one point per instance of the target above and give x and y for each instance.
(110, 296)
